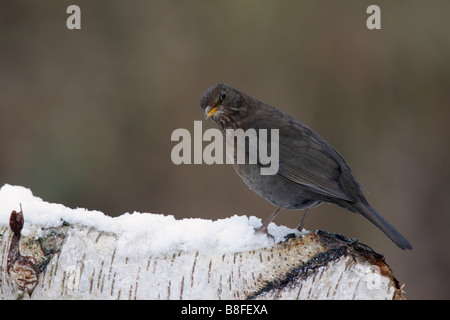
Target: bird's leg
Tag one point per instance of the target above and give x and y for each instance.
(300, 225)
(263, 228)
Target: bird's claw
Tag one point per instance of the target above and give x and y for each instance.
(264, 231)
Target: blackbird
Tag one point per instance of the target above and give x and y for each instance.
(310, 170)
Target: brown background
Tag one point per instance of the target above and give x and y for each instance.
(86, 116)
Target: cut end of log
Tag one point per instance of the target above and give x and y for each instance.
(332, 267)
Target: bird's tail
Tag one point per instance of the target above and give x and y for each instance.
(373, 216)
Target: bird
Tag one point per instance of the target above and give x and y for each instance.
(310, 172)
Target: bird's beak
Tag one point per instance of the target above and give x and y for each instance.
(210, 111)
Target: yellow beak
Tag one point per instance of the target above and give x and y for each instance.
(209, 112)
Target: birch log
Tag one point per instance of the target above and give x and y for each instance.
(79, 262)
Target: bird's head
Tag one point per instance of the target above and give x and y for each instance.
(222, 103)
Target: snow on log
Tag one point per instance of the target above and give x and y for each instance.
(48, 251)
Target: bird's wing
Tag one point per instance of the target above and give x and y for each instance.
(308, 160)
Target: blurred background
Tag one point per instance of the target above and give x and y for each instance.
(86, 116)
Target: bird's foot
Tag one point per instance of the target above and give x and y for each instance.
(302, 222)
(263, 230)
(265, 225)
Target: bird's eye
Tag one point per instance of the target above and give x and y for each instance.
(223, 96)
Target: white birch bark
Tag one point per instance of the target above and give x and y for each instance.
(79, 262)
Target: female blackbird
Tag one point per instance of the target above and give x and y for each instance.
(310, 170)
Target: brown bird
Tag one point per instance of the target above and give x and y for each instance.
(310, 170)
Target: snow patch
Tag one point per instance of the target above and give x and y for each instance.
(152, 233)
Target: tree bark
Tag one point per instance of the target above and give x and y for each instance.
(79, 262)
